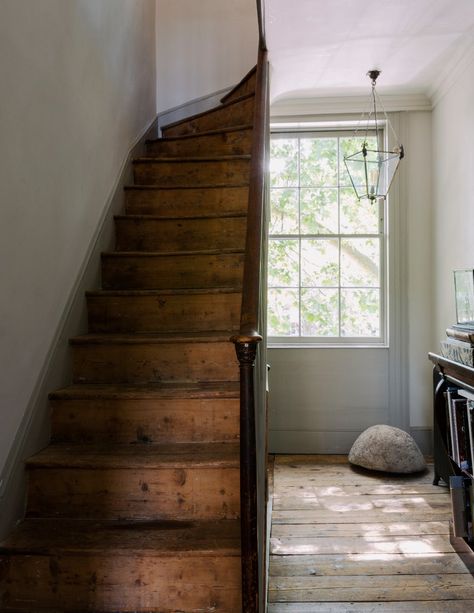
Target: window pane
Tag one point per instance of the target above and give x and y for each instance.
(320, 262)
(283, 263)
(358, 216)
(360, 262)
(284, 162)
(283, 317)
(360, 312)
(284, 211)
(318, 159)
(319, 312)
(348, 146)
(319, 213)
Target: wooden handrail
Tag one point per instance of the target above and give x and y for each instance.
(247, 341)
(261, 24)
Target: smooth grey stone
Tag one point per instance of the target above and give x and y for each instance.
(387, 449)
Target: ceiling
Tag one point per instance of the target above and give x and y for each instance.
(321, 48)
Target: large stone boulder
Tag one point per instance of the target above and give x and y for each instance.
(388, 449)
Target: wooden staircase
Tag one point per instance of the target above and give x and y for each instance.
(135, 504)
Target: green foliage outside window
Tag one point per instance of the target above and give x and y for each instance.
(325, 246)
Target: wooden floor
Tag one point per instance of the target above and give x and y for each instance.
(348, 540)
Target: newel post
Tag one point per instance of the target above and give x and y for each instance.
(246, 349)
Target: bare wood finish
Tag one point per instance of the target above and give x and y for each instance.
(157, 566)
(163, 311)
(166, 172)
(236, 112)
(135, 504)
(232, 141)
(186, 201)
(146, 233)
(144, 415)
(153, 359)
(190, 270)
(367, 542)
(245, 86)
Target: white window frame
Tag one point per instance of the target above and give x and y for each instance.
(331, 129)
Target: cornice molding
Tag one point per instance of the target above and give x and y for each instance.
(347, 104)
(457, 64)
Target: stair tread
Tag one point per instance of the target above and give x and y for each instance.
(140, 456)
(147, 254)
(192, 159)
(224, 105)
(178, 218)
(142, 187)
(138, 537)
(166, 139)
(163, 292)
(152, 338)
(225, 389)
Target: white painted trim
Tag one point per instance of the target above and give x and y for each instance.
(192, 107)
(72, 321)
(315, 107)
(459, 62)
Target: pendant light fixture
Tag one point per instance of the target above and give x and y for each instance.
(371, 170)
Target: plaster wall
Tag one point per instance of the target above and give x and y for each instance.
(202, 47)
(78, 88)
(321, 399)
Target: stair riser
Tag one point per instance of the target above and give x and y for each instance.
(172, 272)
(186, 202)
(154, 363)
(164, 313)
(75, 584)
(225, 143)
(240, 113)
(247, 87)
(168, 174)
(180, 235)
(145, 493)
(135, 420)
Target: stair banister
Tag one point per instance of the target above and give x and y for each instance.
(251, 359)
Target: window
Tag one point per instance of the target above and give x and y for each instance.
(326, 248)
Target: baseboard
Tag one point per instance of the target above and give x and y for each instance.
(423, 438)
(33, 433)
(197, 105)
(307, 441)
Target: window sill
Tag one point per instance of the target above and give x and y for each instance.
(271, 345)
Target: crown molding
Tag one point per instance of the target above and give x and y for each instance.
(460, 60)
(347, 104)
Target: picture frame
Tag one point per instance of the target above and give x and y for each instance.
(464, 296)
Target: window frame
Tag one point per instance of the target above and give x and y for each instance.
(335, 129)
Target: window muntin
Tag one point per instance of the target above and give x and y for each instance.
(326, 248)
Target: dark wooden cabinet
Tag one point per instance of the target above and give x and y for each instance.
(448, 374)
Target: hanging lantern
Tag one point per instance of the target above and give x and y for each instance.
(371, 170)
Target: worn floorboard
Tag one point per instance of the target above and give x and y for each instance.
(349, 540)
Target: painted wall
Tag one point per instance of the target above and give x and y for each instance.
(321, 399)
(453, 223)
(202, 47)
(78, 88)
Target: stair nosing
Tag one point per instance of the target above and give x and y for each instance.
(163, 292)
(191, 159)
(180, 137)
(82, 391)
(152, 338)
(147, 548)
(151, 186)
(209, 111)
(171, 253)
(87, 456)
(134, 217)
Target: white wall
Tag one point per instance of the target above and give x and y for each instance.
(202, 46)
(321, 399)
(453, 136)
(78, 87)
